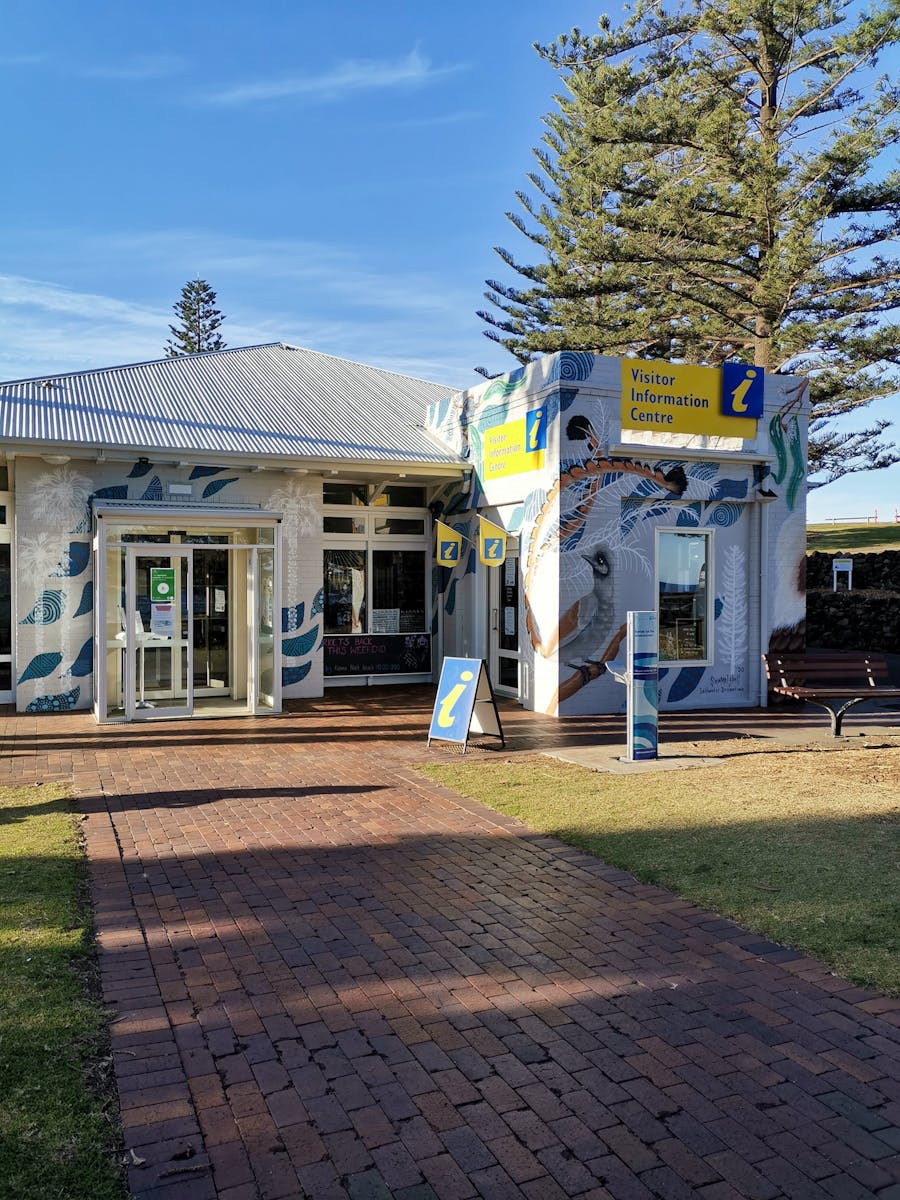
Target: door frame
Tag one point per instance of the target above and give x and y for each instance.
(135, 645)
(495, 653)
(157, 518)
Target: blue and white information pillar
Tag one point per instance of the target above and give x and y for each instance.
(640, 674)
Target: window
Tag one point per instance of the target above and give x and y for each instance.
(683, 596)
(345, 591)
(344, 493)
(376, 581)
(398, 495)
(398, 591)
(405, 526)
(352, 525)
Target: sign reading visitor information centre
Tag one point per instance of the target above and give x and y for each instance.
(684, 398)
(516, 446)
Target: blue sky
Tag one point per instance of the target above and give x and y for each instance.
(338, 173)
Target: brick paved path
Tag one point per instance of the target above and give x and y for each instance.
(333, 979)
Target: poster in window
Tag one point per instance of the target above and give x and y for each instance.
(385, 620)
(162, 619)
(509, 572)
(412, 620)
(509, 621)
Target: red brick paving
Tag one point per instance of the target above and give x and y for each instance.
(333, 979)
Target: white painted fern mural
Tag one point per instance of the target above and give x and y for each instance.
(731, 626)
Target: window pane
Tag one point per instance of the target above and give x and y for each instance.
(398, 495)
(345, 591)
(344, 525)
(509, 606)
(344, 493)
(5, 677)
(683, 598)
(509, 673)
(398, 590)
(401, 525)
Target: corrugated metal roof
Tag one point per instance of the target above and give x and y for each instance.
(271, 400)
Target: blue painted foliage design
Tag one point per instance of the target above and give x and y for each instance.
(684, 683)
(86, 604)
(154, 490)
(292, 618)
(216, 486)
(292, 675)
(76, 559)
(571, 365)
(84, 661)
(303, 644)
(61, 702)
(41, 666)
(47, 609)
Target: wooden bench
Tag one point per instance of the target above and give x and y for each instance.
(826, 679)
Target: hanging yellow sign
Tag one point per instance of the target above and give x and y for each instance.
(663, 397)
(491, 543)
(448, 545)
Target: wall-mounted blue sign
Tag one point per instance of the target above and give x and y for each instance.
(743, 390)
(536, 431)
(464, 703)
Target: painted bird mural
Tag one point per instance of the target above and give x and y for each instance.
(584, 629)
(674, 481)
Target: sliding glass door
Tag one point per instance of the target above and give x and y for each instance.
(158, 632)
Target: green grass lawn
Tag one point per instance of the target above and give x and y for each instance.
(801, 846)
(852, 539)
(56, 1141)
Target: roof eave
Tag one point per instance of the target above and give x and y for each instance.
(450, 467)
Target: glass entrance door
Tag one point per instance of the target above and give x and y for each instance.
(505, 592)
(212, 619)
(158, 633)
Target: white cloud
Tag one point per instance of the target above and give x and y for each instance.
(344, 79)
(325, 270)
(19, 292)
(50, 329)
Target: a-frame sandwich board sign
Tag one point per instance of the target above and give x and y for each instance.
(464, 703)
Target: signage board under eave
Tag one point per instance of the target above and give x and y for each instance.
(661, 397)
(515, 446)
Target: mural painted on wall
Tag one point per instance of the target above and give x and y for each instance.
(51, 568)
(462, 424)
(588, 525)
(299, 500)
(54, 572)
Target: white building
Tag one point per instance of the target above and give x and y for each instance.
(223, 531)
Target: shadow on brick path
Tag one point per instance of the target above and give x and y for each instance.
(331, 978)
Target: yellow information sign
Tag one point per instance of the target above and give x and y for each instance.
(515, 446)
(662, 397)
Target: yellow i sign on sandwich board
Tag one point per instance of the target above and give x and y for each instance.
(464, 703)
